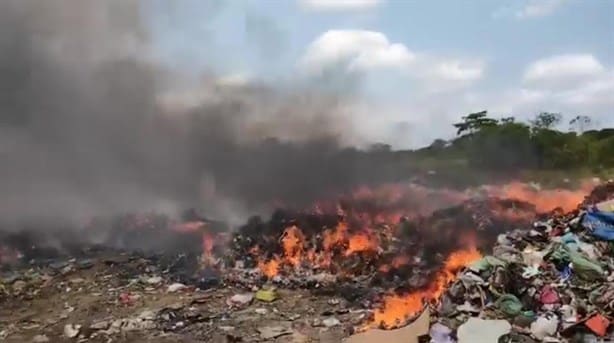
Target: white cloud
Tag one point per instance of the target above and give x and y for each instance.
(339, 5)
(369, 51)
(570, 84)
(357, 50)
(539, 8)
(455, 70)
(563, 69)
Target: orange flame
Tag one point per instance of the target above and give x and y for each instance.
(361, 242)
(397, 309)
(292, 243)
(544, 199)
(269, 268)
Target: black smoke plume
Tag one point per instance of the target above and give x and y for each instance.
(90, 124)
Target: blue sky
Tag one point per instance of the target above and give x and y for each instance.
(421, 63)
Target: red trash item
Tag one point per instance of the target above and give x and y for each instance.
(127, 299)
(549, 296)
(598, 324)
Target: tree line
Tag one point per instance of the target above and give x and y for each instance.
(505, 144)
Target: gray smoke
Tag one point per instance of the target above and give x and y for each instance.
(91, 124)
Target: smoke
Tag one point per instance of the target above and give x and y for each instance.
(91, 123)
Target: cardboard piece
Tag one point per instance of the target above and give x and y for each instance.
(407, 334)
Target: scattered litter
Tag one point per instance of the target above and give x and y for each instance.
(272, 332)
(409, 334)
(330, 322)
(544, 326)
(155, 280)
(40, 339)
(240, 299)
(71, 330)
(176, 287)
(266, 295)
(477, 330)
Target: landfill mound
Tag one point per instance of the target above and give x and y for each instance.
(482, 269)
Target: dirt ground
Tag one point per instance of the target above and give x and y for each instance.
(103, 304)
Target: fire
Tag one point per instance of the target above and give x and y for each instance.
(292, 243)
(269, 268)
(545, 200)
(336, 236)
(208, 242)
(397, 309)
(361, 242)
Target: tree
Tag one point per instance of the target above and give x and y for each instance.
(580, 123)
(474, 122)
(546, 120)
(438, 144)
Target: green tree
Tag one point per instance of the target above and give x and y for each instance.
(474, 122)
(546, 120)
(580, 123)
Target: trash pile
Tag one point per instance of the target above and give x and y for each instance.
(482, 270)
(553, 282)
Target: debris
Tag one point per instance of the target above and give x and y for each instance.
(544, 326)
(548, 296)
(40, 339)
(155, 280)
(440, 334)
(509, 304)
(550, 280)
(598, 324)
(407, 334)
(480, 330)
(100, 325)
(272, 332)
(176, 287)
(486, 263)
(266, 295)
(330, 322)
(71, 330)
(19, 286)
(600, 223)
(128, 299)
(240, 299)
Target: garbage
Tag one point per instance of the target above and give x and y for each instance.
(548, 296)
(544, 326)
(128, 299)
(40, 339)
(509, 305)
(487, 262)
(477, 330)
(71, 330)
(272, 332)
(530, 272)
(266, 295)
(240, 299)
(330, 322)
(176, 287)
(600, 223)
(549, 281)
(598, 324)
(155, 280)
(407, 334)
(440, 334)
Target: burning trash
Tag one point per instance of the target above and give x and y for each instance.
(510, 268)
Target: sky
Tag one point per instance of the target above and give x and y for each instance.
(411, 68)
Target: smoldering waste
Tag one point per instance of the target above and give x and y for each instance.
(505, 270)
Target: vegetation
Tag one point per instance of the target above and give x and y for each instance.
(487, 148)
(505, 143)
